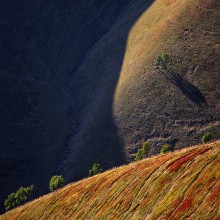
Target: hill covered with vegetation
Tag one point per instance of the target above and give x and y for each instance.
(80, 84)
(179, 185)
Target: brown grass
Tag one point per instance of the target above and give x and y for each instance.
(177, 185)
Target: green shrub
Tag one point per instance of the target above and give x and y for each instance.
(166, 149)
(163, 60)
(56, 182)
(207, 137)
(18, 198)
(142, 153)
(10, 202)
(96, 168)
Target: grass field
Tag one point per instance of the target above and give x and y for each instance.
(123, 98)
(180, 185)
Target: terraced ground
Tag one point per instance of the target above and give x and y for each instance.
(180, 185)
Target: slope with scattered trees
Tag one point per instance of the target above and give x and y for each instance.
(177, 185)
(80, 84)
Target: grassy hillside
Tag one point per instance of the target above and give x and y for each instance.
(177, 109)
(79, 84)
(179, 185)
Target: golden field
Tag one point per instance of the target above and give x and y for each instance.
(179, 185)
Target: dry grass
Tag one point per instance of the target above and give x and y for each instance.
(178, 185)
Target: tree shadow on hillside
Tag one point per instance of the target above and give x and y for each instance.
(186, 87)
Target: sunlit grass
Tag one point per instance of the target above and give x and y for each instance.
(174, 185)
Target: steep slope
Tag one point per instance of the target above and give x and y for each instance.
(179, 108)
(123, 101)
(179, 185)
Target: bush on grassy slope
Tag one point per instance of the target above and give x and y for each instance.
(142, 152)
(56, 182)
(166, 149)
(163, 60)
(207, 137)
(18, 198)
(96, 168)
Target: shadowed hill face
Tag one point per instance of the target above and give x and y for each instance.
(94, 85)
(178, 185)
(42, 44)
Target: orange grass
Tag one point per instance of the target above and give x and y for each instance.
(178, 185)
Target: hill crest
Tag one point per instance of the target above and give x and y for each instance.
(178, 185)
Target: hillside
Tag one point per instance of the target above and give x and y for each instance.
(79, 84)
(180, 185)
(123, 101)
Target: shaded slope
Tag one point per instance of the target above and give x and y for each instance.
(178, 185)
(42, 43)
(94, 84)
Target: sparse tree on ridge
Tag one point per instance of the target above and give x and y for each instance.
(56, 182)
(96, 168)
(18, 198)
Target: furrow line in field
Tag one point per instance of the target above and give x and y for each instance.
(114, 181)
(86, 192)
(164, 169)
(116, 196)
(187, 166)
(135, 203)
(95, 210)
(187, 188)
(203, 199)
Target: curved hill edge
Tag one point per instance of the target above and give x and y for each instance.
(178, 185)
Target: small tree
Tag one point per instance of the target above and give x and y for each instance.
(56, 182)
(141, 153)
(166, 149)
(10, 202)
(18, 198)
(207, 137)
(96, 168)
(163, 60)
